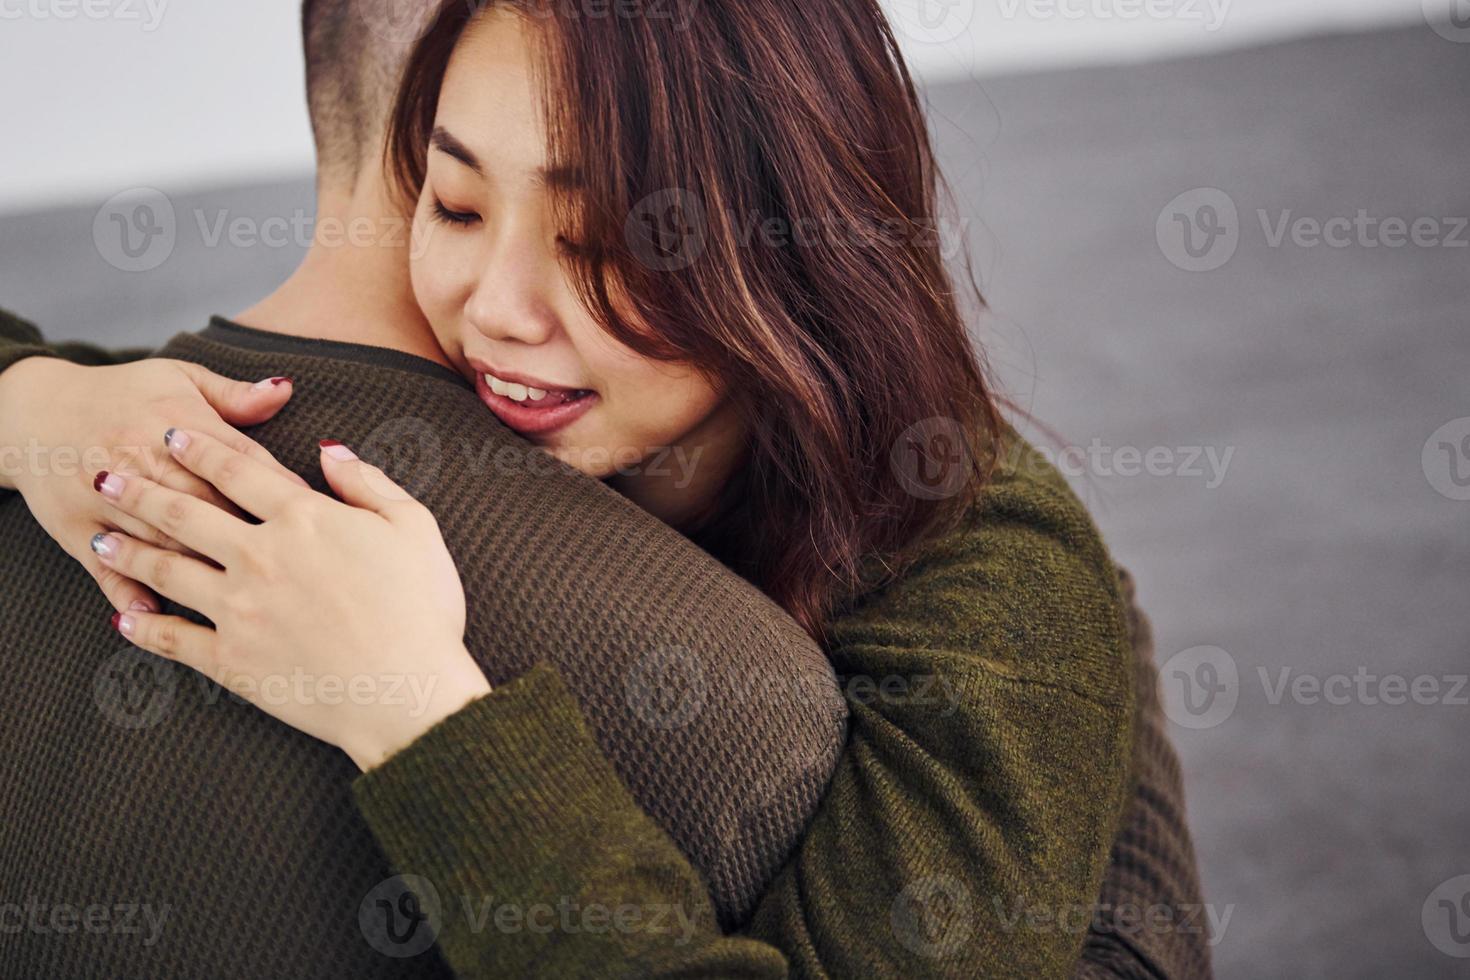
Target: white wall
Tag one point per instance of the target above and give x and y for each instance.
(103, 95)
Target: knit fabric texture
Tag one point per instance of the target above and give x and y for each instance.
(132, 781)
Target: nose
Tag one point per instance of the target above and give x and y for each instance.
(512, 300)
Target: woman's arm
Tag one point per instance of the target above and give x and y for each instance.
(964, 834)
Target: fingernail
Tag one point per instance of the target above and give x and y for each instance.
(104, 545)
(110, 485)
(140, 606)
(123, 624)
(269, 383)
(176, 440)
(336, 450)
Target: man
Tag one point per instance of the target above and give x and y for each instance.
(360, 295)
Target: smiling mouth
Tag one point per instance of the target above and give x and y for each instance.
(530, 397)
(532, 411)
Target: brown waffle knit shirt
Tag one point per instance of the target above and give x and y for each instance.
(130, 781)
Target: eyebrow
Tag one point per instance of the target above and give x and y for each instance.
(557, 178)
(446, 142)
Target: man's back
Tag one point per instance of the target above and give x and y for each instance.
(222, 843)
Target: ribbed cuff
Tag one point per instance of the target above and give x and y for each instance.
(493, 787)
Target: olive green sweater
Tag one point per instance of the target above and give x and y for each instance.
(982, 787)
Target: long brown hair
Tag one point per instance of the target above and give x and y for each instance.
(757, 183)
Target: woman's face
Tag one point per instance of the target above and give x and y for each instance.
(490, 270)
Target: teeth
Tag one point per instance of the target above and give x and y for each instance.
(513, 391)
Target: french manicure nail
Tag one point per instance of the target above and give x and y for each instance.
(104, 545)
(110, 485)
(337, 451)
(176, 440)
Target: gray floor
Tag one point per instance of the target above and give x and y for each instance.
(1326, 549)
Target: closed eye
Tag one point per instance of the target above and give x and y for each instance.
(448, 217)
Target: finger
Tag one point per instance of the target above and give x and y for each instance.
(122, 592)
(187, 581)
(364, 485)
(257, 488)
(202, 528)
(170, 636)
(244, 444)
(239, 402)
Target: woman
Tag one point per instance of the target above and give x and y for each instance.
(584, 192)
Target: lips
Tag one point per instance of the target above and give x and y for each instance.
(528, 408)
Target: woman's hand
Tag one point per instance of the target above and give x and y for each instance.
(342, 619)
(61, 422)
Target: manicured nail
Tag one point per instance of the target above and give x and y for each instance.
(336, 450)
(110, 485)
(271, 383)
(104, 545)
(123, 624)
(140, 606)
(176, 440)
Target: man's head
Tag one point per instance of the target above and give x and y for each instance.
(355, 50)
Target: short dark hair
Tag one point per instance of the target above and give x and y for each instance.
(354, 60)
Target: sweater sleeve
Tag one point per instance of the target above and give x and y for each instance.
(20, 339)
(964, 833)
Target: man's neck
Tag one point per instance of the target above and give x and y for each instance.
(354, 283)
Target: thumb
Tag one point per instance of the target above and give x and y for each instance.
(362, 484)
(239, 403)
